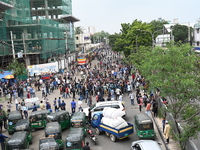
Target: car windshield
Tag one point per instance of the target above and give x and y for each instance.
(148, 126)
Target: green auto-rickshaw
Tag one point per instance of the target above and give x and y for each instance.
(38, 119)
(19, 140)
(53, 129)
(75, 139)
(48, 143)
(13, 117)
(62, 117)
(144, 126)
(24, 125)
(78, 120)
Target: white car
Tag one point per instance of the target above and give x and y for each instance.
(98, 107)
(145, 145)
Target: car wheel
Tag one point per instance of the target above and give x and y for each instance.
(107, 134)
(112, 138)
(97, 131)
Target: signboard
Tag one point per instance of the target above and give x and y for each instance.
(81, 61)
(43, 69)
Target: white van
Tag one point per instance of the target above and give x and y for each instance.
(98, 107)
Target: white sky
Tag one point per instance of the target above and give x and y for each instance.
(108, 15)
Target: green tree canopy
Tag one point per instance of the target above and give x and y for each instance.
(18, 68)
(175, 72)
(99, 37)
(78, 30)
(180, 33)
(158, 24)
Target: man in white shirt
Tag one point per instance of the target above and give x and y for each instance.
(121, 97)
(131, 96)
(80, 105)
(16, 103)
(118, 92)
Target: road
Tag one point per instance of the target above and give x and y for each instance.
(103, 142)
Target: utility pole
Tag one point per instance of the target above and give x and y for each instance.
(13, 50)
(188, 32)
(23, 37)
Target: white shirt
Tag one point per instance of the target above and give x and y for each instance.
(80, 103)
(131, 95)
(16, 101)
(120, 98)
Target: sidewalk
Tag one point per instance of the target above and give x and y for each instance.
(172, 144)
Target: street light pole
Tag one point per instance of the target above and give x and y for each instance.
(152, 35)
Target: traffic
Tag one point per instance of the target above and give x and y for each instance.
(107, 109)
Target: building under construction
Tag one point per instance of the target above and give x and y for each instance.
(40, 29)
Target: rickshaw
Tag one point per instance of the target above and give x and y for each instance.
(38, 119)
(24, 125)
(144, 126)
(78, 120)
(75, 139)
(53, 129)
(62, 117)
(13, 117)
(48, 143)
(19, 140)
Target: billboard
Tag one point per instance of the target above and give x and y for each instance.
(43, 68)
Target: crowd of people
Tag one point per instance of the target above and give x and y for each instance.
(107, 80)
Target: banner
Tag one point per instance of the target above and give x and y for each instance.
(43, 69)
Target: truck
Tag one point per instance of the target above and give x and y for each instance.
(113, 133)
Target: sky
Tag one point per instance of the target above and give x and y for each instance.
(107, 15)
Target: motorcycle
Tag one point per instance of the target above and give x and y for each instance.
(91, 135)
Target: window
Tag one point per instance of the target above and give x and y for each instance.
(61, 118)
(115, 106)
(76, 38)
(100, 108)
(95, 117)
(197, 43)
(66, 117)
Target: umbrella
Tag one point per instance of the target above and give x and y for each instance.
(9, 77)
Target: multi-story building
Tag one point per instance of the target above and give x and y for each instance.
(196, 42)
(42, 29)
(83, 41)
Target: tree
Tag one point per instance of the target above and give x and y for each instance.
(78, 30)
(158, 24)
(130, 37)
(180, 33)
(175, 72)
(99, 37)
(18, 68)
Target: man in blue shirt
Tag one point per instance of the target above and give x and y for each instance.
(73, 105)
(2, 140)
(59, 103)
(48, 106)
(63, 105)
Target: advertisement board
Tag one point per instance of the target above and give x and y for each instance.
(43, 69)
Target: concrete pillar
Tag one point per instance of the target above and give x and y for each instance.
(46, 9)
(27, 59)
(37, 61)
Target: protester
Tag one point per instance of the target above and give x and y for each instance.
(73, 106)
(63, 105)
(2, 140)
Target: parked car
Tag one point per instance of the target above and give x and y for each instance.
(98, 107)
(145, 145)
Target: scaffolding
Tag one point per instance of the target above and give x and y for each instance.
(38, 28)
